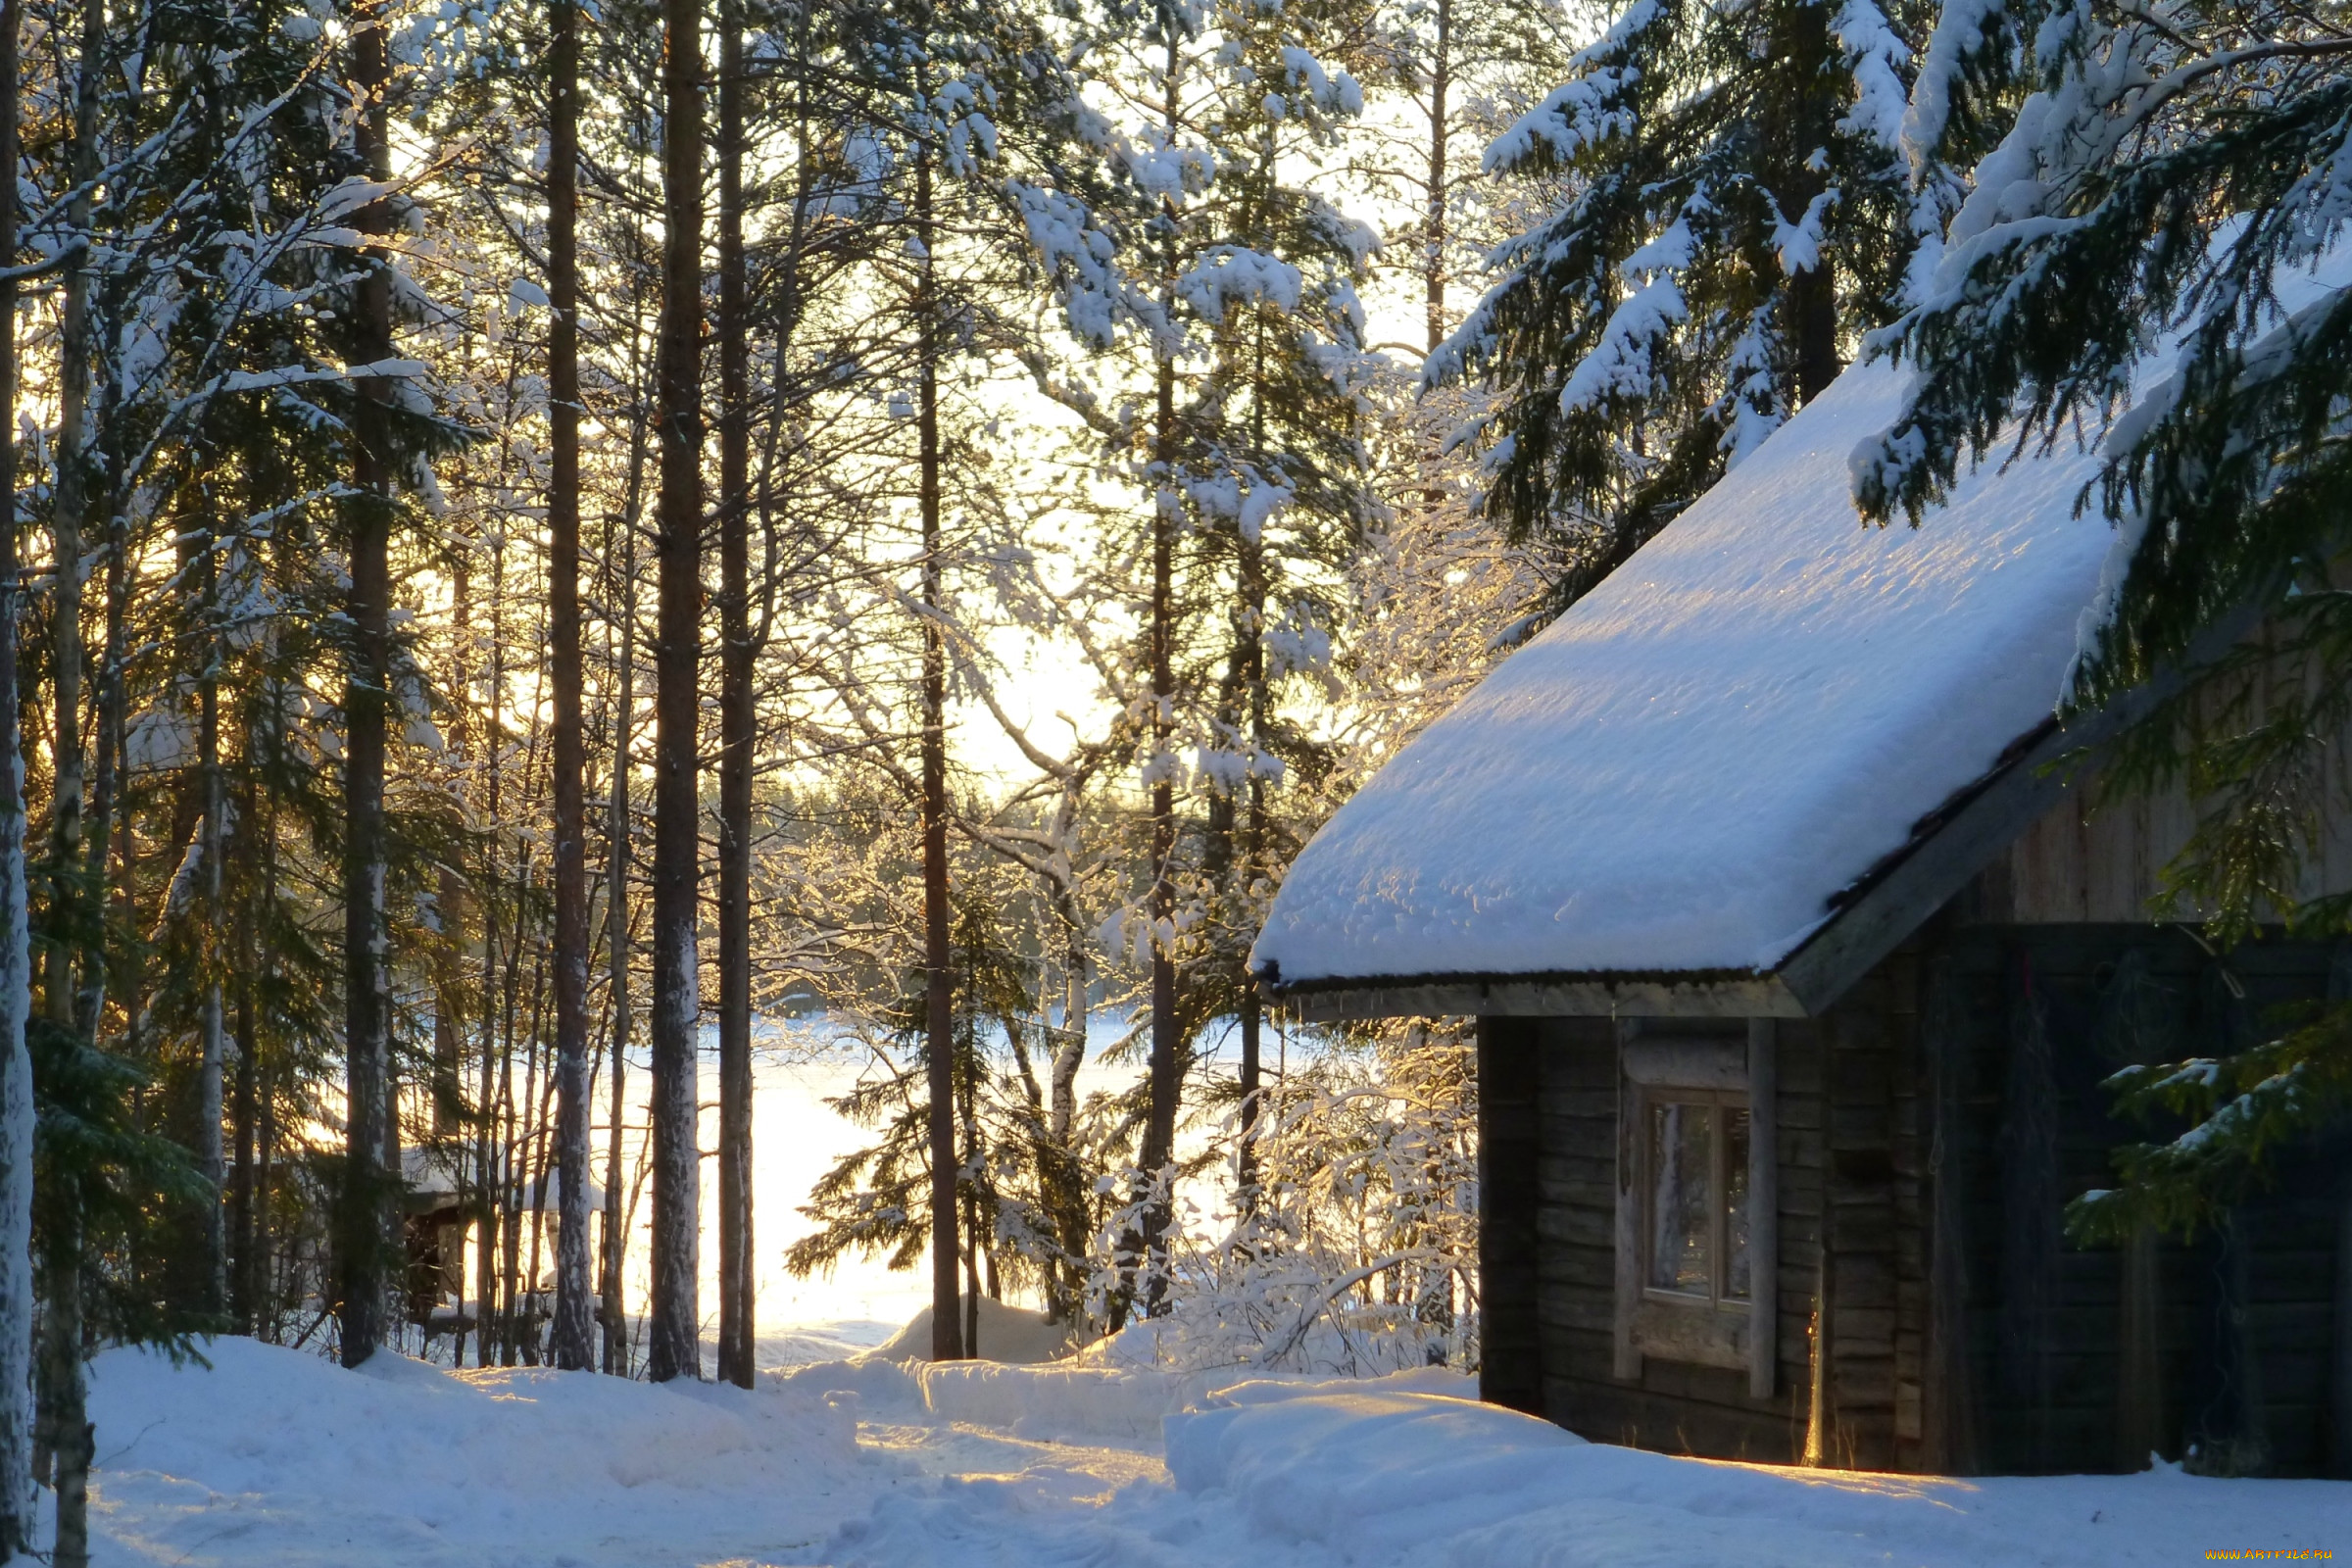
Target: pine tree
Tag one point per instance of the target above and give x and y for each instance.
(738, 718)
(673, 1339)
(967, 96)
(1439, 593)
(1278, 478)
(16, 1501)
(1198, 247)
(1463, 68)
(573, 1339)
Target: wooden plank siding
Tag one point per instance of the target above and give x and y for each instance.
(2243, 1343)
(2097, 862)
(2069, 1420)
(1509, 1142)
(1671, 1407)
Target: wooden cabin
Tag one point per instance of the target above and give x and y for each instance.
(440, 1209)
(1798, 962)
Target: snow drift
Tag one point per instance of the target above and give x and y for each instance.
(1374, 1474)
(1007, 1332)
(277, 1456)
(274, 1457)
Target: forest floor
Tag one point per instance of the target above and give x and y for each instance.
(277, 1457)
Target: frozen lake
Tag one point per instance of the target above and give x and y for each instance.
(799, 1065)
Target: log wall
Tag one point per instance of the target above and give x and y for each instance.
(2222, 1343)
(2090, 861)
(1671, 1407)
(1987, 1345)
(1510, 1074)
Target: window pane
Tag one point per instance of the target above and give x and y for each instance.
(1682, 1203)
(1735, 1204)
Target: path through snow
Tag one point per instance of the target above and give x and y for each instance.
(275, 1457)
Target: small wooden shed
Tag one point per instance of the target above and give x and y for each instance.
(1798, 969)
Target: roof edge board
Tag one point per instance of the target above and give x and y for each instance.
(1548, 995)
(1821, 969)
(1843, 951)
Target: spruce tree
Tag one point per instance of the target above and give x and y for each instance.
(971, 113)
(1185, 235)
(1732, 205)
(2152, 258)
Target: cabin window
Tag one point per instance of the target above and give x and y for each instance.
(1698, 1238)
(1696, 1232)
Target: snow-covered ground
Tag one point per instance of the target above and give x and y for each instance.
(274, 1456)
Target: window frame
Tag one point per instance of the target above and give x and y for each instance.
(1717, 1102)
(1661, 1063)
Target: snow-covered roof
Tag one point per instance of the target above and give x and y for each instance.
(431, 1179)
(1760, 706)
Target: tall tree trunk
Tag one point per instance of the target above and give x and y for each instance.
(71, 1437)
(513, 1146)
(449, 984)
(616, 928)
(510, 1168)
(574, 1340)
(946, 1328)
(455, 1120)
(210, 1156)
(265, 1164)
(69, 512)
(970, 1124)
(673, 1346)
(737, 1288)
(446, 1097)
(1249, 696)
(17, 1504)
(530, 1172)
(1808, 113)
(1813, 307)
(365, 1238)
(1159, 1129)
(1433, 255)
(1254, 842)
(244, 1299)
(110, 806)
(65, 1432)
(1435, 227)
(489, 1163)
(259, 1266)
